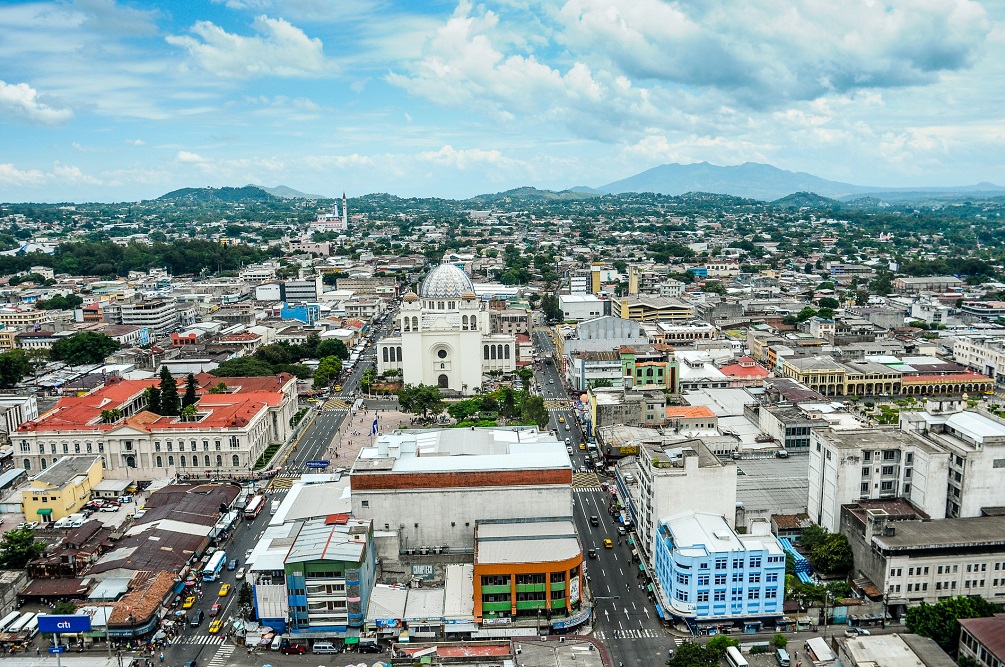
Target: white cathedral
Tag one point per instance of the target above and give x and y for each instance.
(445, 336)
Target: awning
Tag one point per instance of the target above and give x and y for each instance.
(460, 627)
(45, 511)
(659, 610)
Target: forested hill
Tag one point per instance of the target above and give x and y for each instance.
(197, 196)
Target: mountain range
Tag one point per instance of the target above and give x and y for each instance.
(765, 182)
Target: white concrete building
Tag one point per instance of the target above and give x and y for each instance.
(425, 489)
(160, 316)
(582, 307)
(445, 339)
(876, 463)
(982, 353)
(667, 479)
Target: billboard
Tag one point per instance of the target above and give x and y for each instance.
(53, 623)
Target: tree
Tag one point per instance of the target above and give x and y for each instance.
(327, 372)
(421, 399)
(461, 410)
(828, 302)
(86, 347)
(826, 313)
(690, 654)
(60, 302)
(218, 388)
(111, 416)
(14, 365)
(190, 397)
(18, 548)
(882, 284)
(779, 640)
(532, 411)
(154, 399)
(366, 380)
(940, 622)
(332, 348)
(169, 393)
(718, 645)
(65, 607)
(602, 382)
(243, 367)
(805, 314)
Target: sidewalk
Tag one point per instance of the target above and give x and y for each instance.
(67, 659)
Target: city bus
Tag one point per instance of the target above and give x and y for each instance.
(214, 566)
(21, 623)
(32, 627)
(734, 658)
(254, 507)
(6, 621)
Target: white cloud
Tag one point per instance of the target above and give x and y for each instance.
(61, 175)
(11, 175)
(187, 157)
(136, 142)
(776, 50)
(278, 49)
(21, 101)
(469, 158)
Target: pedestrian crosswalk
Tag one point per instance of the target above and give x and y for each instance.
(208, 640)
(552, 404)
(678, 640)
(635, 633)
(585, 480)
(586, 489)
(221, 656)
(336, 404)
(284, 482)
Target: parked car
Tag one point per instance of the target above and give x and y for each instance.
(239, 574)
(110, 508)
(293, 649)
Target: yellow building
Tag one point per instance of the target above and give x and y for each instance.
(61, 489)
(7, 338)
(647, 308)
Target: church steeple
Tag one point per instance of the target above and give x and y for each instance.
(345, 210)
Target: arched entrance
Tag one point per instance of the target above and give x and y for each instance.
(442, 381)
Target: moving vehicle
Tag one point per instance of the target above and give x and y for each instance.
(734, 658)
(592, 553)
(582, 445)
(338, 387)
(196, 619)
(232, 565)
(568, 448)
(215, 626)
(215, 610)
(214, 566)
(239, 574)
(568, 428)
(254, 508)
(561, 420)
(621, 530)
(224, 590)
(594, 520)
(189, 602)
(608, 544)
(275, 507)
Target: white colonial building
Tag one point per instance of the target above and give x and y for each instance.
(445, 339)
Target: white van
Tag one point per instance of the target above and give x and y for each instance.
(325, 647)
(62, 523)
(782, 657)
(277, 643)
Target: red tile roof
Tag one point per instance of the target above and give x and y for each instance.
(989, 631)
(689, 412)
(950, 378)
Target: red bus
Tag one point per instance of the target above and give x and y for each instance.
(254, 508)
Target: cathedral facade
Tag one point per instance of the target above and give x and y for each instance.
(445, 337)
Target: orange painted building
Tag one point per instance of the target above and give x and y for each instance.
(527, 567)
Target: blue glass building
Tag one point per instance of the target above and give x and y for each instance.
(710, 574)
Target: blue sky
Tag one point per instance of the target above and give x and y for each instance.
(114, 101)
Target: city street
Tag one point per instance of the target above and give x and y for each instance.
(624, 618)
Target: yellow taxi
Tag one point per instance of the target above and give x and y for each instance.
(189, 602)
(224, 590)
(608, 544)
(561, 420)
(215, 626)
(582, 445)
(338, 387)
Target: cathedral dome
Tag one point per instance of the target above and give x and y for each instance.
(446, 281)
(410, 296)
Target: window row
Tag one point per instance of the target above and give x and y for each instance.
(496, 352)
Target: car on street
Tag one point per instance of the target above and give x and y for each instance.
(224, 590)
(621, 530)
(189, 602)
(608, 544)
(110, 508)
(561, 420)
(856, 632)
(125, 499)
(215, 626)
(592, 553)
(582, 445)
(239, 574)
(293, 649)
(338, 387)
(215, 609)
(551, 380)
(232, 565)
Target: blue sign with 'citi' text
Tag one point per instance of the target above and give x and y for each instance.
(49, 623)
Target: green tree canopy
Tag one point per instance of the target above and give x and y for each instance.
(532, 411)
(327, 372)
(190, 396)
(691, 654)
(421, 399)
(18, 548)
(170, 405)
(14, 365)
(86, 347)
(332, 348)
(940, 622)
(60, 302)
(828, 302)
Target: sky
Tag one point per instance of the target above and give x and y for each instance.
(105, 100)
